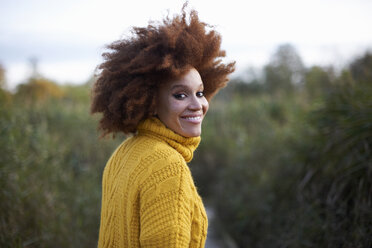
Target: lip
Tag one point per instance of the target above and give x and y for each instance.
(195, 119)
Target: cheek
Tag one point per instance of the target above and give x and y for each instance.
(176, 106)
(170, 110)
(205, 106)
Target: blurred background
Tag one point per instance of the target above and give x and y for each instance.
(285, 159)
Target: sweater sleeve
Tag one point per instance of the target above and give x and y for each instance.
(166, 215)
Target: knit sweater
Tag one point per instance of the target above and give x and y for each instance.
(148, 195)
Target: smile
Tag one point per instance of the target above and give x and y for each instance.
(194, 119)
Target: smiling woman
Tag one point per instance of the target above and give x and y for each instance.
(156, 86)
(181, 104)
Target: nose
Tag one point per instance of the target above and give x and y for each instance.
(196, 103)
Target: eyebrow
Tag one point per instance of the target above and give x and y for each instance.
(184, 86)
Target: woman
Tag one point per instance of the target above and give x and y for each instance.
(156, 85)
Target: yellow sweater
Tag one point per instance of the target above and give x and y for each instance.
(148, 195)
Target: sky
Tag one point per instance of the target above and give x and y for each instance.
(68, 37)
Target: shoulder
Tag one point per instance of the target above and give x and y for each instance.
(156, 149)
(147, 158)
(141, 146)
(160, 164)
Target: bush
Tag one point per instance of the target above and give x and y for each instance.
(50, 173)
(293, 170)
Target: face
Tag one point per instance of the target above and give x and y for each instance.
(181, 104)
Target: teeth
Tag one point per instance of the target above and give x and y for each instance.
(193, 118)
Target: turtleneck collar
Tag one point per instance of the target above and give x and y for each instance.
(185, 146)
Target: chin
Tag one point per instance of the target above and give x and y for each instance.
(192, 133)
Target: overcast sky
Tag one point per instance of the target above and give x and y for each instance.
(67, 37)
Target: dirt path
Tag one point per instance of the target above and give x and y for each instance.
(216, 238)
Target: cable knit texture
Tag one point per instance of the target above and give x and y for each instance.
(148, 195)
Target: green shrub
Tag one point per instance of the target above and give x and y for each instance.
(50, 171)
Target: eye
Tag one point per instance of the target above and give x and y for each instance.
(180, 96)
(200, 94)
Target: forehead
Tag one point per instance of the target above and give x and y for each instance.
(191, 79)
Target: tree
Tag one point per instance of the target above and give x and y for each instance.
(5, 95)
(361, 69)
(285, 70)
(2, 77)
(317, 81)
(37, 90)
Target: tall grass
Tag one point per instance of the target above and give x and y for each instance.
(283, 168)
(50, 170)
(293, 169)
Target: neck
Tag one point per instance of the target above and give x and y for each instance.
(155, 128)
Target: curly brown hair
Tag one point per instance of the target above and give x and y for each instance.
(126, 87)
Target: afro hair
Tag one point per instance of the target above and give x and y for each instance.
(134, 68)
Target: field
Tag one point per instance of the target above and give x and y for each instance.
(285, 159)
